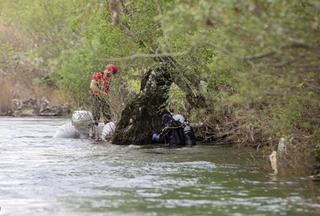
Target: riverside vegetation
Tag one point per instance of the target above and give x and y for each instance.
(247, 69)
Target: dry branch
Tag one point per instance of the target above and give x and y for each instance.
(141, 55)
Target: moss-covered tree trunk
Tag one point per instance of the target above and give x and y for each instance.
(143, 114)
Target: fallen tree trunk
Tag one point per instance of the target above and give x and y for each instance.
(143, 114)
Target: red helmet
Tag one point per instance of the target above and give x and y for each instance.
(112, 68)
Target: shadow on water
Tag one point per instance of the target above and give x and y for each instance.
(45, 176)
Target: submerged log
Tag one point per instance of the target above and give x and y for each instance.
(143, 114)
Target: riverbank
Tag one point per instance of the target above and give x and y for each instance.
(25, 96)
(298, 153)
(32, 107)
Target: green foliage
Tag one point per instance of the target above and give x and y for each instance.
(177, 100)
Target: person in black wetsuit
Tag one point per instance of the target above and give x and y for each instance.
(174, 133)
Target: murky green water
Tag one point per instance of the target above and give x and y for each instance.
(40, 175)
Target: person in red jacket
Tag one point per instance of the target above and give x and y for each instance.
(99, 89)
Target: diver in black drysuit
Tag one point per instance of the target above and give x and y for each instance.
(175, 133)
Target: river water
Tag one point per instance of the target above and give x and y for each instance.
(40, 175)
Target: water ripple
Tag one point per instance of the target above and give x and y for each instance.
(40, 175)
